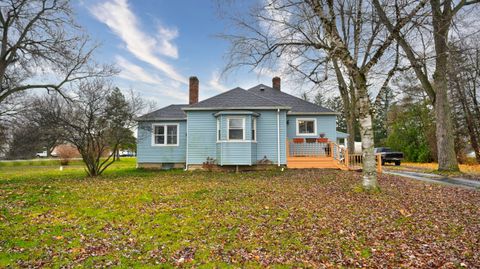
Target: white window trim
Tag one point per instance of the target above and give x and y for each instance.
(243, 129)
(315, 133)
(236, 141)
(165, 131)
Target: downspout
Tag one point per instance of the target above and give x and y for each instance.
(186, 152)
(278, 137)
(221, 140)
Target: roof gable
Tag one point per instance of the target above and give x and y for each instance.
(297, 105)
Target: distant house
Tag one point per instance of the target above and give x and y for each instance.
(261, 125)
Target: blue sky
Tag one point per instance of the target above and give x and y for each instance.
(158, 44)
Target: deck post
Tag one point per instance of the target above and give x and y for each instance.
(347, 158)
(331, 149)
(379, 163)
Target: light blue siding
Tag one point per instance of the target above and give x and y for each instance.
(235, 153)
(325, 124)
(146, 153)
(202, 138)
(202, 129)
(267, 136)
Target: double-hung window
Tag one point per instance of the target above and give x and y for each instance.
(236, 128)
(165, 134)
(306, 126)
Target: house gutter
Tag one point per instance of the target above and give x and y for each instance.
(314, 113)
(278, 137)
(236, 108)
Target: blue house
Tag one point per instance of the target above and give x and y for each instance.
(258, 126)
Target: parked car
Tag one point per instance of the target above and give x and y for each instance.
(44, 154)
(126, 153)
(389, 156)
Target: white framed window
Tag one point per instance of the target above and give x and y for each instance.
(254, 129)
(236, 128)
(306, 126)
(165, 134)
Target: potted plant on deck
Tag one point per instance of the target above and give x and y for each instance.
(322, 138)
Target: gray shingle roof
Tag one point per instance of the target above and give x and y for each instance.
(236, 98)
(167, 113)
(298, 105)
(260, 96)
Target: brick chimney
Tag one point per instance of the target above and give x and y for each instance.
(193, 90)
(276, 83)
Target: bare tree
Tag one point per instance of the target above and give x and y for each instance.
(40, 37)
(462, 85)
(308, 32)
(442, 15)
(42, 112)
(94, 126)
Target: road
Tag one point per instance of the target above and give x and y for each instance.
(433, 178)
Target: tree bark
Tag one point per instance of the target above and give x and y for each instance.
(447, 159)
(350, 118)
(349, 106)
(366, 132)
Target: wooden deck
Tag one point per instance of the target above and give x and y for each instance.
(321, 155)
(312, 162)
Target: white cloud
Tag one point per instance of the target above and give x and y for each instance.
(165, 37)
(215, 82)
(116, 14)
(163, 94)
(134, 72)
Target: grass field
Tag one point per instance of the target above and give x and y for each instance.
(308, 218)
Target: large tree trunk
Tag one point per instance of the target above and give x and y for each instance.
(447, 159)
(348, 106)
(350, 118)
(366, 132)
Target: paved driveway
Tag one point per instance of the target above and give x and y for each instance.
(433, 178)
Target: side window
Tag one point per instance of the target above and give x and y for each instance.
(236, 128)
(172, 134)
(159, 135)
(165, 135)
(306, 127)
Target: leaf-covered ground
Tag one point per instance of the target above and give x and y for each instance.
(302, 218)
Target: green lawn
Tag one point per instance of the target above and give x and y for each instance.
(303, 218)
